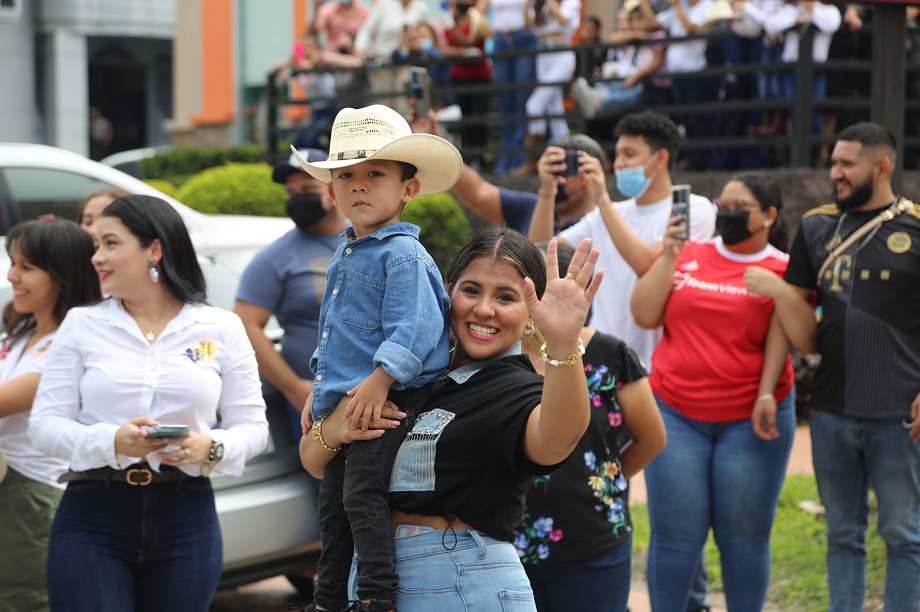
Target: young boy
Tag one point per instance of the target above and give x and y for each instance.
(383, 333)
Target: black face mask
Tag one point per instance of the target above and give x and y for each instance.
(305, 209)
(732, 225)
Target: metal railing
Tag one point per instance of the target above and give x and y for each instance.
(797, 147)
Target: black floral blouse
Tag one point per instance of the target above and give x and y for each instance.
(581, 511)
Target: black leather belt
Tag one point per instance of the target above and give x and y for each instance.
(139, 475)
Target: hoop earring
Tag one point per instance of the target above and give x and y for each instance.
(154, 275)
(528, 330)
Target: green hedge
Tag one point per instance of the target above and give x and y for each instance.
(235, 189)
(444, 226)
(247, 189)
(192, 160)
(167, 187)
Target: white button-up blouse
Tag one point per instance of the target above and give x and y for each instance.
(101, 372)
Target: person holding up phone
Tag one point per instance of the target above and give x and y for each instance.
(137, 527)
(723, 380)
(680, 207)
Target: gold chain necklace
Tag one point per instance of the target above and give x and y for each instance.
(151, 335)
(836, 240)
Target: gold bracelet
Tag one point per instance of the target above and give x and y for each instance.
(570, 360)
(316, 432)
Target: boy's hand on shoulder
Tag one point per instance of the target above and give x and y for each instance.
(367, 399)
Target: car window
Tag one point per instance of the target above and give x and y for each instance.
(42, 191)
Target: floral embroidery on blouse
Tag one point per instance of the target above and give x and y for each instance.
(604, 478)
(532, 543)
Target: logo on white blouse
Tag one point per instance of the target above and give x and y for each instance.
(203, 350)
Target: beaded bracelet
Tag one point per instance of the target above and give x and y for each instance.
(316, 432)
(570, 360)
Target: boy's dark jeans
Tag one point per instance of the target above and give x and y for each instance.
(354, 513)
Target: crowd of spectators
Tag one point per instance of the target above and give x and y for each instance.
(473, 46)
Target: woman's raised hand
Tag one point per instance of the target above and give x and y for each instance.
(670, 243)
(563, 309)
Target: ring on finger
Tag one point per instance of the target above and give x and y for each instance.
(186, 453)
(570, 276)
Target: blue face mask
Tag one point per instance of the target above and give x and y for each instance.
(426, 44)
(344, 2)
(632, 182)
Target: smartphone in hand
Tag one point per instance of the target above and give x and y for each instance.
(680, 206)
(571, 163)
(420, 88)
(168, 431)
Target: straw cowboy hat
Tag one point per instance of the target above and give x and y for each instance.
(379, 132)
(720, 11)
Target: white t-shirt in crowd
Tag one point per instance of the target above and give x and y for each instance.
(687, 56)
(825, 18)
(21, 454)
(508, 15)
(610, 312)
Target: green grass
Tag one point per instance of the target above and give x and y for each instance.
(798, 578)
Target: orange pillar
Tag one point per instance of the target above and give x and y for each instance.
(218, 100)
(300, 18)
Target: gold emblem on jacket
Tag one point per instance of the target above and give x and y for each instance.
(899, 242)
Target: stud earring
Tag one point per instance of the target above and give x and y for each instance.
(154, 275)
(766, 224)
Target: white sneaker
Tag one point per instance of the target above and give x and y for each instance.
(589, 99)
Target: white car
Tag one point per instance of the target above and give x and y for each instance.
(268, 516)
(37, 180)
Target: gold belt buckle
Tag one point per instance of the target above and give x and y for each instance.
(146, 477)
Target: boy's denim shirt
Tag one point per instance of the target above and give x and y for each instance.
(384, 304)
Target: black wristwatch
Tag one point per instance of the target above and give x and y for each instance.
(214, 456)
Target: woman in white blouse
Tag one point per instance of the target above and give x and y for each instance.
(137, 528)
(50, 272)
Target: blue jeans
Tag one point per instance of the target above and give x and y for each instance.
(818, 92)
(739, 50)
(717, 475)
(601, 583)
(512, 71)
(697, 125)
(699, 588)
(460, 570)
(849, 454)
(119, 547)
(619, 95)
